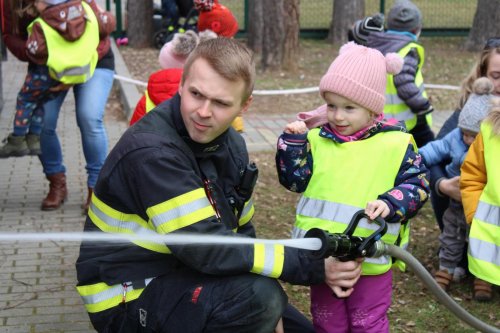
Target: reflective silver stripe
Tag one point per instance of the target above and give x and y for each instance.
(485, 251)
(268, 259)
(180, 211)
(393, 99)
(299, 233)
(400, 116)
(75, 71)
(333, 211)
(113, 291)
(121, 224)
(488, 213)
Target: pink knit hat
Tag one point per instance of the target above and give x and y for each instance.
(174, 53)
(359, 74)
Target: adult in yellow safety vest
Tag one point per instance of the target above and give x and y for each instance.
(480, 188)
(182, 169)
(71, 58)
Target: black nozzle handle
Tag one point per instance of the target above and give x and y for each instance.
(367, 245)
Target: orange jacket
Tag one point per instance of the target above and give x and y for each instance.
(473, 177)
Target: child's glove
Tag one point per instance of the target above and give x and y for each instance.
(296, 127)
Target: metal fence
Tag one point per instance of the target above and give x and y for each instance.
(440, 17)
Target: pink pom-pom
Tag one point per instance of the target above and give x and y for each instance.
(393, 63)
(348, 46)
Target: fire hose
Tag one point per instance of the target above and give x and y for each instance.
(321, 244)
(345, 246)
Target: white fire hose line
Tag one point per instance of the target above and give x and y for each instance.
(301, 243)
(286, 91)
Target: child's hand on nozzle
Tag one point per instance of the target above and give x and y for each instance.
(296, 127)
(377, 208)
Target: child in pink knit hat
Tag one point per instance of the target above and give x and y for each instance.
(355, 161)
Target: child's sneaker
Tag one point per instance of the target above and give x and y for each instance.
(14, 146)
(459, 274)
(33, 142)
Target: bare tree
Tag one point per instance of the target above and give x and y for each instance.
(140, 23)
(345, 13)
(273, 34)
(292, 29)
(255, 25)
(486, 24)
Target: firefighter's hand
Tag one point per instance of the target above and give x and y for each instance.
(341, 276)
(296, 127)
(377, 208)
(60, 87)
(279, 328)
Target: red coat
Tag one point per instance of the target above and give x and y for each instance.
(162, 85)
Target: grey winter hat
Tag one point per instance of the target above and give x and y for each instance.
(404, 15)
(477, 106)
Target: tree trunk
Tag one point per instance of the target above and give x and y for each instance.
(140, 23)
(345, 13)
(273, 34)
(291, 41)
(485, 25)
(255, 25)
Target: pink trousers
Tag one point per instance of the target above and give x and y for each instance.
(364, 311)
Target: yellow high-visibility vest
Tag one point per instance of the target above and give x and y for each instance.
(345, 178)
(484, 237)
(72, 62)
(395, 107)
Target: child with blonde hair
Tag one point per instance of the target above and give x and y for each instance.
(356, 161)
(480, 189)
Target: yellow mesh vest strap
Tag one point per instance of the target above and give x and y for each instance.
(72, 62)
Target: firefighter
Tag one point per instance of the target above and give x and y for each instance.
(183, 169)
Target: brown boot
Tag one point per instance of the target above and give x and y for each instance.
(482, 290)
(58, 192)
(86, 205)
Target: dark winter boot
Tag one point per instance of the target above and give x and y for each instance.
(14, 146)
(58, 192)
(33, 142)
(86, 205)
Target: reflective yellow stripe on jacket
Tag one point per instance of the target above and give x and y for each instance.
(345, 178)
(99, 297)
(484, 237)
(72, 62)
(395, 107)
(247, 214)
(268, 260)
(181, 211)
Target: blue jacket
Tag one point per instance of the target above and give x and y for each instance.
(450, 148)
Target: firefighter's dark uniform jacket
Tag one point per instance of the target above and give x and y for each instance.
(153, 183)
